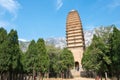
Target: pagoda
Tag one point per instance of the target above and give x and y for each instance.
(75, 37)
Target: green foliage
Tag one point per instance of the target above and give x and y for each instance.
(9, 50)
(30, 57)
(115, 51)
(67, 59)
(102, 55)
(10, 54)
(13, 50)
(93, 55)
(104, 52)
(96, 55)
(3, 46)
(54, 54)
(3, 35)
(61, 61)
(43, 63)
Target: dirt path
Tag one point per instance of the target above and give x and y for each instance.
(79, 78)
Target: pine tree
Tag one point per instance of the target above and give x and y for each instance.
(54, 54)
(13, 51)
(43, 59)
(115, 52)
(67, 61)
(96, 56)
(30, 60)
(3, 55)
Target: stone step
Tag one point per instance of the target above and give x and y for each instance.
(75, 73)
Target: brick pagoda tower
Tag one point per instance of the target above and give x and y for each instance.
(75, 37)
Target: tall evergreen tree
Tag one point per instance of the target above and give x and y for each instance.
(96, 57)
(67, 61)
(13, 51)
(3, 35)
(43, 63)
(54, 54)
(3, 55)
(115, 53)
(30, 60)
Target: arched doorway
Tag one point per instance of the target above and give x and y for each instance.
(77, 66)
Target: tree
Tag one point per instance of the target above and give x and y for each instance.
(3, 35)
(96, 56)
(115, 52)
(30, 58)
(13, 51)
(3, 55)
(93, 63)
(66, 61)
(54, 53)
(43, 59)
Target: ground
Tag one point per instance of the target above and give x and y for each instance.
(79, 78)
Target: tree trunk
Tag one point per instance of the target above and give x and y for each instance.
(100, 75)
(29, 77)
(25, 76)
(117, 76)
(10, 75)
(40, 76)
(105, 75)
(7, 75)
(61, 74)
(0, 75)
(66, 74)
(33, 77)
(21, 76)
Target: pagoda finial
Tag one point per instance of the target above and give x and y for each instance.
(72, 10)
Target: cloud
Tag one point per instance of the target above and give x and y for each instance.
(10, 5)
(59, 4)
(24, 40)
(114, 4)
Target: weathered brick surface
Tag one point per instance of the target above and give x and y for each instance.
(75, 36)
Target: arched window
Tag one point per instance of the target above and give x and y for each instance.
(77, 66)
